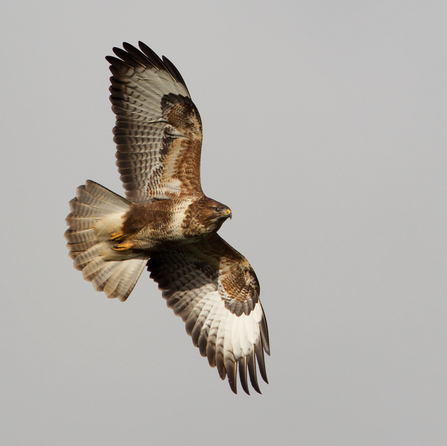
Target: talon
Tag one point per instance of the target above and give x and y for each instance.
(116, 235)
(122, 246)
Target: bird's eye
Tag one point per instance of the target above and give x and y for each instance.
(218, 209)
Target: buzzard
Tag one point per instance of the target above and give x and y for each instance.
(167, 223)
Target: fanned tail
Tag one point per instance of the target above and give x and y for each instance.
(96, 214)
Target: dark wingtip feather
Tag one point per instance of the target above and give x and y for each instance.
(261, 361)
(174, 72)
(135, 53)
(152, 56)
(243, 374)
(110, 59)
(131, 57)
(252, 371)
(231, 368)
(265, 334)
(115, 62)
(220, 364)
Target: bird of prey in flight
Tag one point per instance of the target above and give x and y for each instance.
(166, 223)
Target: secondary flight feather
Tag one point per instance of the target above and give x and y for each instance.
(167, 223)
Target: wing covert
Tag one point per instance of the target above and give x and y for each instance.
(158, 130)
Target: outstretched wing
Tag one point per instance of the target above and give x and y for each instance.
(215, 291)
(158, 131)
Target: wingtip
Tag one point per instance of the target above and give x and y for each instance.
(243, 374)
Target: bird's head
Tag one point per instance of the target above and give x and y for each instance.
(221, 211)
(216, 213)
(210, 214)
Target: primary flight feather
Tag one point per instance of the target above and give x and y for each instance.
(167, 223)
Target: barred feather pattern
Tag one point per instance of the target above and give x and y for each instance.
(229, 341)
(96, 212)
(169, 224)
(158, 131)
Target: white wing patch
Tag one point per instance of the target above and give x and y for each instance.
(237, 335)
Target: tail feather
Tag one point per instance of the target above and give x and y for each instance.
(83, 258)
(95, 198)
(80, 235)
(77, 223)
(103, 274)
(104, 195)
(97, 213)
(79, 248)
(123, 280)
(94, 268)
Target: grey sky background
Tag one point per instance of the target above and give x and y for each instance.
(325, 132)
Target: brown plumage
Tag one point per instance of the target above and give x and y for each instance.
(166, 223)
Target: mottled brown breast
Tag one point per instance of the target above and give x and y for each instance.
(160, 225)
(156, 214)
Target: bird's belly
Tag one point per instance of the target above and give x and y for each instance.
(158, 235)
(153, 238)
